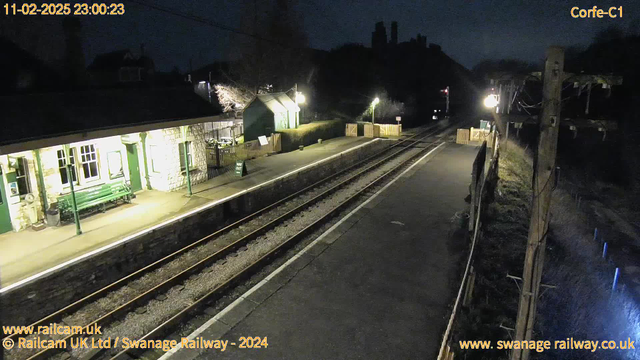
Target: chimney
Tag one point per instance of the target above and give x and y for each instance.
(75, 70)
(394, 33)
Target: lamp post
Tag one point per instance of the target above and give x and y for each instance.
(74, 203)
(373, 110)
(184, 129)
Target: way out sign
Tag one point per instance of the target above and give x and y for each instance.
(241, 168)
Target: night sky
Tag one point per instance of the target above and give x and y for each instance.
(469, 31)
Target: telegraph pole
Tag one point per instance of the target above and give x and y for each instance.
(543, 182)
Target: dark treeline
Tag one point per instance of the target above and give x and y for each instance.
(411, 73)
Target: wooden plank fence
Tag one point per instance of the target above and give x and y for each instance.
(351, 130)
(249, 150)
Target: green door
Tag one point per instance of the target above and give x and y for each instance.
(134, 167)
(5, 217)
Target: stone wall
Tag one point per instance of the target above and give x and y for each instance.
(164, 153)
(44, 295)
(162, 145)
(19, 209)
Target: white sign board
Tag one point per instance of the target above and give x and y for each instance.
(398, 118)
(263, 140)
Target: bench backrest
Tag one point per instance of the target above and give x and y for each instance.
(93, 193)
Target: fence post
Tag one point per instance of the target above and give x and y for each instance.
(217, 150)
(472, 188)
(476, 179)
(469, 290)
(615, 281)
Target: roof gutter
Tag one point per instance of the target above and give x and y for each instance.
(39, 143)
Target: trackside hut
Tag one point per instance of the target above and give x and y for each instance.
(132, 135)
(268, 113)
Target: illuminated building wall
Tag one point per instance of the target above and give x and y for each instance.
(97, 162)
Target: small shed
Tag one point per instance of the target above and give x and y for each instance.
(268, 113)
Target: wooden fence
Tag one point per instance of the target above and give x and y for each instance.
(249, 150)
(377, 130)
(483, 182)
(462, 136)
(476, 136)
(390, 129)
(351, 130)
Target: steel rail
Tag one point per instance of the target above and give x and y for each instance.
(55, 316)
(257, 265)
(165, 285)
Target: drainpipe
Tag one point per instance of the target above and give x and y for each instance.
(76, 218)
(143, 137)
(43, 191)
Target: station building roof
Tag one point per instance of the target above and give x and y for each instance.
(38, 120)
(276, 102)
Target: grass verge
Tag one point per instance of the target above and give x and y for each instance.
(581, 306)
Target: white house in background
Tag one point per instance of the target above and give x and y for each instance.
(268, 113)
(132, 135)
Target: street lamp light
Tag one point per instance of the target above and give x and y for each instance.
(491, 101)
(373, 111)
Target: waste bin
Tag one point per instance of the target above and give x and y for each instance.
(53, 217)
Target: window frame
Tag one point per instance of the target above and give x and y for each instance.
(183, 167)
(119, 174)
(74, 165)
(22, 162)
(92, 157)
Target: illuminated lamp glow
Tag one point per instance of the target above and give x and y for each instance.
(491, 101)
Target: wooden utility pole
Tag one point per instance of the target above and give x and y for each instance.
(543, 182)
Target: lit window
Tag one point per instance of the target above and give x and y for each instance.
(89, 162)
(22, 176)
(114, 160)
(62, 165)
(189, 154)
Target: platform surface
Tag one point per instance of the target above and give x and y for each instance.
(26, 253)
(378, 286)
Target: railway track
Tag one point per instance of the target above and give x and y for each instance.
(126, 297)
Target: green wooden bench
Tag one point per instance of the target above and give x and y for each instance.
(94, 196)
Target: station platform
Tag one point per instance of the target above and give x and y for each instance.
(27, 253)
(377, 285)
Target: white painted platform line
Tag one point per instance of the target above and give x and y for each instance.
(168, 222)
(257, 286)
